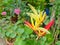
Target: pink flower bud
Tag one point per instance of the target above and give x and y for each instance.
(17, 11)
(3, 13)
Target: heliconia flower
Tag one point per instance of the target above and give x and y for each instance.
(17, 11)
(41, 31)
(3, 13)
(38, 17)
(38, 30)
(36, 20)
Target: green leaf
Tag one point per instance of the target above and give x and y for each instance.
(19, 41)
(58, 43)
(13, 35)
(20, 30)
(15, 27)
(49, 38)
(31, 42)
(19, 21)
(8, 34)
(0, 29)
(28, 30)
(31, 35)
(42, 41)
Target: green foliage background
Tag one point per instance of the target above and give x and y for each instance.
(23, 34)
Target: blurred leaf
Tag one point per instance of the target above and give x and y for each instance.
(49, 38)
(30, 42)
(20, 30)
(19, 41)
(13, 35)
(58, 43)
(8, 34)
(28, 30)
(43, 40)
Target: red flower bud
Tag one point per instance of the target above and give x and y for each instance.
(49, 24)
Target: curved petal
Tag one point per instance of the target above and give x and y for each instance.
(33, 9)
(44, 30)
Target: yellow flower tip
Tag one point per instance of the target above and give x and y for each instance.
(29, 14)
(33, 9)
(28, 4)
(44, 13)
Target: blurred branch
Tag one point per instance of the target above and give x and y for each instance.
(55, 28)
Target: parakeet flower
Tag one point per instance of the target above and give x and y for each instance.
(37, 20)
(37, 17)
